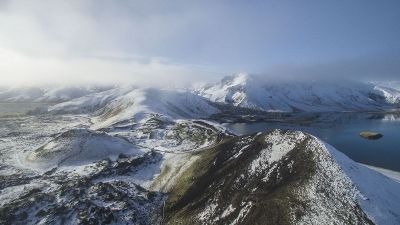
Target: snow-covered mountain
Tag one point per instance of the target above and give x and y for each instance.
(389, 94)
(79, 147)
(240, 90)
(57, 169)
(149, 156)
(281, 177)
(247, 91)
(120, 104)
(48, 94)
(128, 155)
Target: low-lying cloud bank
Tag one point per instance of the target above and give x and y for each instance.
(156, 43)
(375, 68)
(17, 69)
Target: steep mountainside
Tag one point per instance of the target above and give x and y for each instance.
(313, 96)
(281, 177)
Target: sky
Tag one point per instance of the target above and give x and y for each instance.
(173, 42)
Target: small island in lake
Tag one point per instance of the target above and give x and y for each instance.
(371, 135)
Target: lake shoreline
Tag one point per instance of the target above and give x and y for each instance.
(342, 132)
(394, 175)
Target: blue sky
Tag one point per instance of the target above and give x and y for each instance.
(143, 41)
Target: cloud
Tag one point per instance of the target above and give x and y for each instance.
(41, 71)
(47, 42)
(382, 67)
(79, 28)
(153, 41)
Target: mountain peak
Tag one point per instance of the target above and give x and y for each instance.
(236, 79)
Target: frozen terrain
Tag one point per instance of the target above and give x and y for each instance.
(389, 173)
(79, 147)
(63, 167)
(239, 90)
(46, 94)
(128, 155)
(282, 177)
(122, 104)
(248, 91)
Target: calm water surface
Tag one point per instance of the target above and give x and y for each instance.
(343, 133)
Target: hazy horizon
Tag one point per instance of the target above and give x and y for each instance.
(179, 42)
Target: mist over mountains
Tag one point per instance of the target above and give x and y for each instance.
(239, 90)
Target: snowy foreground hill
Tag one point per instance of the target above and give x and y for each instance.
(282, 177)
(129, 155)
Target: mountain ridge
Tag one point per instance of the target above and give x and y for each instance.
(248, 91)
(280, 177)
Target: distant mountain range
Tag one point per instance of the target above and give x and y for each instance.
(239, 90)
(54, 95)
(290, 96)
(233, 94)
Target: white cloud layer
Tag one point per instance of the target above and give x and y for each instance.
(18, 69)
(69, 42)
(175, 42)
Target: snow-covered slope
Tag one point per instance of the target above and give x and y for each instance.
(78, 147)
(23, 94)
(281, 177)
(89, 103)
(240, 90)
(123, 174)
(379, 196)
(77, 175)
(48, 94)
(122, 104)
(133, 146)
(252, 92)
(392, 84)
(391, 95)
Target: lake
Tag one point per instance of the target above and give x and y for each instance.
(341, 130)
